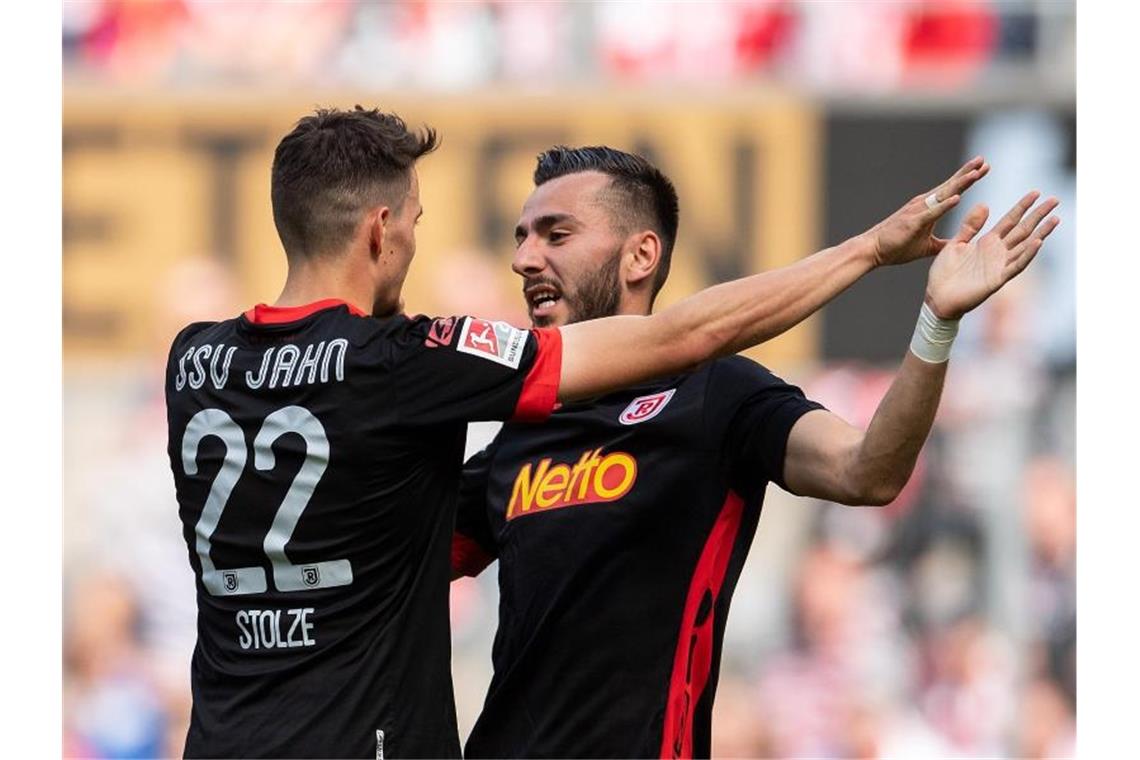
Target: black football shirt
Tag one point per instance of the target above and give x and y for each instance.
(316, 453)
(621, 527)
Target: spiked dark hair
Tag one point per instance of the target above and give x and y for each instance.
(335, 165)
(642, 195)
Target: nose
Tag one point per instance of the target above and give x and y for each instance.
(528, 260)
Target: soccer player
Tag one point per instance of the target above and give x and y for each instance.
(316, 448)
(621, 525)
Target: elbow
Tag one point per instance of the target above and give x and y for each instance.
(875, 493)
(881, 493)
(879, 496)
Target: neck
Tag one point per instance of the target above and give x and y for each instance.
(309, 282)
(635, 305)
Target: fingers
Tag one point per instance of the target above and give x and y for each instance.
(936, 210)
(1013, 216)
(970, 172)
(1025, 252)
(1029, 223)
(973, 223)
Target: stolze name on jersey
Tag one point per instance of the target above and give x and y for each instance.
(287, 365)
(266, 629)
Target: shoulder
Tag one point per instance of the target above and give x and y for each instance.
(193, 333)
(740, 372)
(418, 330)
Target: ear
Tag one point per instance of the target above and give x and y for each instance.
(643, 254)
(377, 222)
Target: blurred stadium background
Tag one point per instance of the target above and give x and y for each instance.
(942, 625)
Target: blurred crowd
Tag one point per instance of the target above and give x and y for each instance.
(440, 45)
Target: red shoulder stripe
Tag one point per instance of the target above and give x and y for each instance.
(540, 388)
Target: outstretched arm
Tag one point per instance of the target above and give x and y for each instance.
(604, 354)
(830, 459)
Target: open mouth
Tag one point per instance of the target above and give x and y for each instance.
(542, 299)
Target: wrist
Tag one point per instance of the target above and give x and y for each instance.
(864, 248)
(938, 311)
(933, 336)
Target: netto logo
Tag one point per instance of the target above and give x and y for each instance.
(594, 478)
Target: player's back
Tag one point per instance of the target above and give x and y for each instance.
(316, 479)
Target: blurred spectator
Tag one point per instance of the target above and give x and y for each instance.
(112, 706)
(967, 692)
(818, 698)
(1046, 724)
(736, 731)
(1050, 501)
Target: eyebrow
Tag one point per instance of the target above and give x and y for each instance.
(545, 222)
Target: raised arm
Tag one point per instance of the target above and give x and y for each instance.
(604, 354)
(830, 459)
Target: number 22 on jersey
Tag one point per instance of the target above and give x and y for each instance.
(286, 575)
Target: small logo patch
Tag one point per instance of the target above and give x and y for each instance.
(311, 575)
(497, 341)
(645, 408)
(230, 581)
(441, 332)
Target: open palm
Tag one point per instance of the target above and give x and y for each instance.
(967, 271)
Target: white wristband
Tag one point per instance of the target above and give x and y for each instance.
(933, 336)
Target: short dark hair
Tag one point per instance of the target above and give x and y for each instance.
(643, 194)
(335, 165)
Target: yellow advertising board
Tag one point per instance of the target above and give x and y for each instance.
(151, 182)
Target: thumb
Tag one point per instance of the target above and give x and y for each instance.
(973, 223)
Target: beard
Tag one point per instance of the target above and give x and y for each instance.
(597, 295)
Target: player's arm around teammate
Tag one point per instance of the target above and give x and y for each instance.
(829, 459)
(602, 354)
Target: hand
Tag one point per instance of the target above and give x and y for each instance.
(908, 234)
(969, 271)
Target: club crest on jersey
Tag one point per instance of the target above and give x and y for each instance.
(230, 581)
(645, 408)
(497, 341)
(311, 576)
(441, 332)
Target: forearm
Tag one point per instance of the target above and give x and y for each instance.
(733, 316)
(883, 462)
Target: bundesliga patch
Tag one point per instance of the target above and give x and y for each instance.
(645, 408)
(497, 341)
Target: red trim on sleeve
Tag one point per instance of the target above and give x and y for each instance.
(693, 659)
(540, 388)
(263, 314)
(467, 557)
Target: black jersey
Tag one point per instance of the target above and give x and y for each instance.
(620, 527)
(316, 453)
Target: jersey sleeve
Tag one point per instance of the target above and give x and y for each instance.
(473, 543)
(754, 411)
(458, 369)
